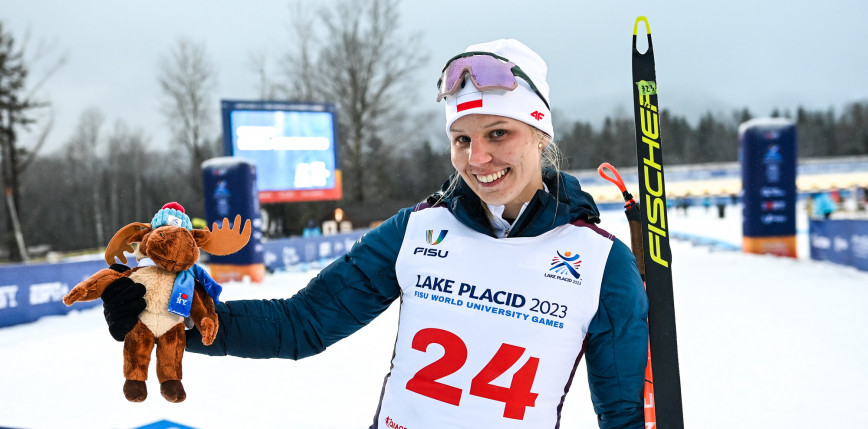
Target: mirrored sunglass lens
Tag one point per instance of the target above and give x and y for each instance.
(451, 77)
(485, 71)
(490, 76)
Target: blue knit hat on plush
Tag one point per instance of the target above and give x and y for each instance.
(171, 214)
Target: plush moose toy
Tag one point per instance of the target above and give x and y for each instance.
(167, 253)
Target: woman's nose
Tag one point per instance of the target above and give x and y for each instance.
(479, 154)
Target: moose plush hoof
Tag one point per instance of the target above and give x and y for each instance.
(173, 391)
(135, 391)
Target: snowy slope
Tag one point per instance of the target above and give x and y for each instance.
(765, 342)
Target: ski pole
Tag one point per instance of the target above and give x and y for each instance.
(634, 219)
(631, 210)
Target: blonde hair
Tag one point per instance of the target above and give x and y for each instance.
(551, 156)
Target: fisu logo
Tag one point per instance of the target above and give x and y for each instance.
(430, 251)
(433, 240)
(429, 236)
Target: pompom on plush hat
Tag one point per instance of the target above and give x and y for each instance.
(171, 214)
(522, 103)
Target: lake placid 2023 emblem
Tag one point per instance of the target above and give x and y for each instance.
(433, 240)
(565, 267)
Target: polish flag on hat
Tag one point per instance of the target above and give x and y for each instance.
(470, 100)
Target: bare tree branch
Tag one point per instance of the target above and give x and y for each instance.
(361, 62)
(84, 148)
(40, 141)
(187, 77)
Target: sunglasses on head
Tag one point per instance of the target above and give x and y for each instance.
(486, 71)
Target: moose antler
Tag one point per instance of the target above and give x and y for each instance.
(226, 240)
(120, 242)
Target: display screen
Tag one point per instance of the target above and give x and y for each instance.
(293, 145)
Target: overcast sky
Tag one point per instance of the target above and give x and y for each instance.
(720, 56)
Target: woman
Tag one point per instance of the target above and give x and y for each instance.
(503, 269)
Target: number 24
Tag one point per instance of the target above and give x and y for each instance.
(516, 397)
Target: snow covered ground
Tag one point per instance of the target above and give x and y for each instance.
(765, 342)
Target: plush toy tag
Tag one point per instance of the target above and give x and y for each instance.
(174, 221)
(182, 294)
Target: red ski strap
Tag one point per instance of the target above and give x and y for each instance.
(629, 202)
(617, 181)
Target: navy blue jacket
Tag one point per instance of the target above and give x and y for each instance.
(353, 290)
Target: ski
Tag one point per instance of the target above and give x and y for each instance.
(664, 402)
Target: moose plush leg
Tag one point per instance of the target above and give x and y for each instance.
(138, 345)
(170, 351)
(204, 315)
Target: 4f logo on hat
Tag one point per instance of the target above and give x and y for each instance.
(537, 115)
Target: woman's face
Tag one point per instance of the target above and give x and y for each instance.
(499, 158)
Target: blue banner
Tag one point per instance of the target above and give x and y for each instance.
(842, 241)
(768, 155)
(285, 252)
(28, 292)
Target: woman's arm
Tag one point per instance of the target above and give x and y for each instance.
(617, 346)
(342, 298)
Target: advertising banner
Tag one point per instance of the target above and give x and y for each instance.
(286, 252)
(28, 292)
(768, 155)
(842, 241)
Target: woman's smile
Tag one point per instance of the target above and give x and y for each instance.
(489, 179)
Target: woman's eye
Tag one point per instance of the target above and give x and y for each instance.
(498, 133)
(462, 140)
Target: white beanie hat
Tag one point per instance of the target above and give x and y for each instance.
(521, 103)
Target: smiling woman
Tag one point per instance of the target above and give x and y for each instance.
(505, 282)
(499, 158)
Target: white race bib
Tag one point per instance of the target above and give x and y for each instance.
(490, 329)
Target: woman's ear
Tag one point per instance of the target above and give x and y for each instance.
(543, 139)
